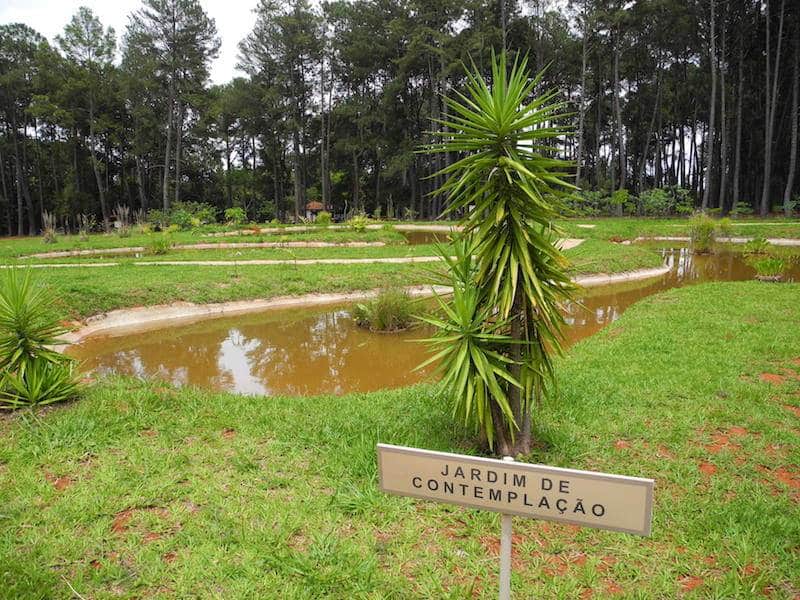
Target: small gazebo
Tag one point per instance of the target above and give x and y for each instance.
(312, 209)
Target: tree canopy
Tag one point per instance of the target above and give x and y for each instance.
(696, 97)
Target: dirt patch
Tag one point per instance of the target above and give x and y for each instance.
(622, 444)
(772, 378)
(663, 452)
(721, 441)
(690, 582)
(793, 409)
(612, 588)
(169, 557)
(59, 483)
(228, 433)
(148, 433)
(707, 469)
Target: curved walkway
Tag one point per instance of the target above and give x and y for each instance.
(146, 317)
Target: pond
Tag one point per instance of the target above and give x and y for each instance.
(322, 351)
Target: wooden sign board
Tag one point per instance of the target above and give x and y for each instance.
(585, 498)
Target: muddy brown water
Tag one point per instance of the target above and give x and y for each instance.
(322, 351)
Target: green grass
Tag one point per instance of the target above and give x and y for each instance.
(140, 490)
(80, 293)
(630, 228)
(11, 248)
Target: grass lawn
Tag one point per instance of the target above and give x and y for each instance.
(632, 227)
(79, 293)
(141, 490)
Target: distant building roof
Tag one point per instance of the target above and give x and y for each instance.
(314, 205)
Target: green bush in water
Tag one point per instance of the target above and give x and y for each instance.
(757, 246)
(389, 311)
(703, 233)
(31, 371)
(768, 268)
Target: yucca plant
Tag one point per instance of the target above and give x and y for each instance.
(508, 185)
(31, 371)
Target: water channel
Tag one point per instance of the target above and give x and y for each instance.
(310, 351)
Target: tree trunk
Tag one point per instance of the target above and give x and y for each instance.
(787, 192)
(623, 167)
(723, 122)
(140, 183)
(168, 149)
(712, 110)
(582, 105)
(178, 147)
(298, 184)
(737, 158)
(6, 199)
(772, 102)
(96, 166)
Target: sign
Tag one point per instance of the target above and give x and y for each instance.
(585, 498)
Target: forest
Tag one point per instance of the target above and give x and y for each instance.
(675, 106)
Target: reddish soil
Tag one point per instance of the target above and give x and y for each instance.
(170, 556)
(228, 433)
(151, 536)
(721, 441)
(707, 468)
(737, 431)
(748, 570)
(772, 378)
(612, 587)
(121, 520)
(148, 433)
(690, 582)
(794, 409)
(663, 452)
(621, 444)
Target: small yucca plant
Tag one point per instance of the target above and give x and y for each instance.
(31, 371)
(505, 324)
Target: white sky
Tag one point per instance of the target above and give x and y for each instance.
(234, 19)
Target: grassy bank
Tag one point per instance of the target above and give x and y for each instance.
(141, 490)
(630, 228)
(79, 293)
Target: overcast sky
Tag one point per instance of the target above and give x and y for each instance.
(234, 19)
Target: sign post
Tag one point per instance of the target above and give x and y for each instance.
(584, 498)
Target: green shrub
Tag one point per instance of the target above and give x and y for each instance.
(358, 223)
(324, 218)
(235, 215)
(703, 233)
(159, 244)
(768, 268)
(376, 214)
(31, 372)
(757, 246)
(389, 311)
(655, 203)
(741, 209)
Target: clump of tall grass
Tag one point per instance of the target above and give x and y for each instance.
(122, 214)
(159, 244)
(48, 227)
(390, 310)
(85, 225)
(757, 246)
(703, 233)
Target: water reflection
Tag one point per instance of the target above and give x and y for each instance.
(315, 351)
